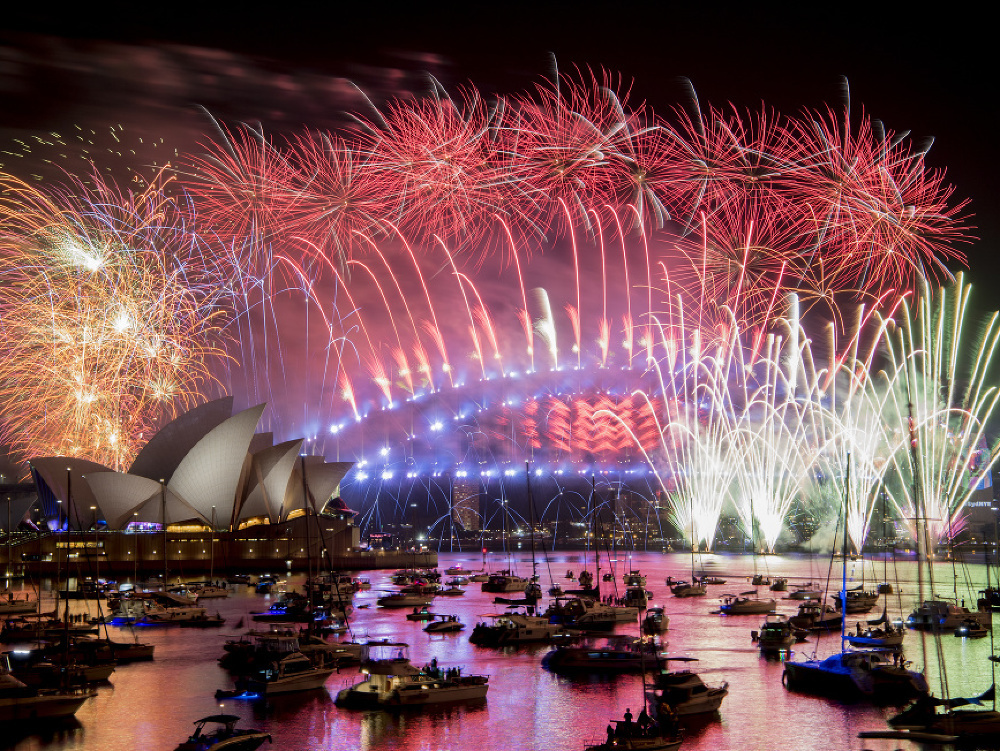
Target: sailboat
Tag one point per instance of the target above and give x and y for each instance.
(871, 674)
(693, 588)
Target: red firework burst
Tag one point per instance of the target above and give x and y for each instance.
(238, 184)
(879, 215)
(562, 143)
(437, 160)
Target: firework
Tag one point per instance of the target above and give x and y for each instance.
(106, 330)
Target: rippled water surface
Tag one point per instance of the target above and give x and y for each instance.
(152, 705)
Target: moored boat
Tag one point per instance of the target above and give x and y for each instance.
(224, 736)
(392, 681)
(619, 655)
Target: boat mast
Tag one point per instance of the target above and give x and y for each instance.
(163, 516)
(531, 530)
(843, 584)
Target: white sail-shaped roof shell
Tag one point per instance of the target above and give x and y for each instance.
(52, 470)
(160, 458)
(271, 475)
(322, 479)
(122, 496)
(209, 475)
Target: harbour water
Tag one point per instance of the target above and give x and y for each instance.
(152, 705)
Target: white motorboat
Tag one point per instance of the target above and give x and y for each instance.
(392, 681)
(452, 591)
(505, 581)
(21, 705)
(457, 571)
(224, 736)
(210, 591)
(444, 624)
(634, 579)
(775, 634)
(944, 615)
(404, 600)
(687, 589)
(294, 672)
(685, 694)
(516, 627)
(746, 605)
(585, 613)
(655, 622)
(807, 591)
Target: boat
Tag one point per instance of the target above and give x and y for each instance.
(392, 681)
(588, 614)
(634, 579)
(760, 580)
(656, 621)
(223, 737)
(37, 668)
(688, 589)
(404, 600)
(420, 614)
(516, 626)
(683, 693)
(634, 597)
(444, 624)
(864, 674)
(746, 604)
(776, 634)
(878, 634)
(22, 705)
(858, 601)
(971, 629)
(779, 585)
(479, 578)
(10, 604)
(95, 651)
(457, 570)
(867, 674)
(964, 718)
(815, 617)
(807, 591)
(452, 591)
(458, 581)
(945, 615)
(292, 673)
(627, 736)
(624, 654)
(505, 581)
(710, 580)
(210, 591)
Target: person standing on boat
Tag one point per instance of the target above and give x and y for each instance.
(643, 721)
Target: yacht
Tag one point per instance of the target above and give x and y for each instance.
(588, 614)
(505, 581)
(807, 591)
(743, 605)
(517, 626)
(294, 672)
(404, 600)
(944, 615)
(866, 674)
(392, 681)
(619, 655)
(776, 634)
(21, 705)
(444, 624)
(684, 693)
(224, 736)
(655, 622)
(814, 617)
(858, 601)
(634, 579)
(688, 589)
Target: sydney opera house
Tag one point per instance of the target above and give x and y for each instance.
(206, 490)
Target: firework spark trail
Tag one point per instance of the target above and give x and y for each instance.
(109, 318)
(928, 351)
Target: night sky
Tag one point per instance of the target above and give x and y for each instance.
(288, 65)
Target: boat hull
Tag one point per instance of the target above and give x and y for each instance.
(42, 707)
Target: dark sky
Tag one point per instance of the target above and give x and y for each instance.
(290, 64)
